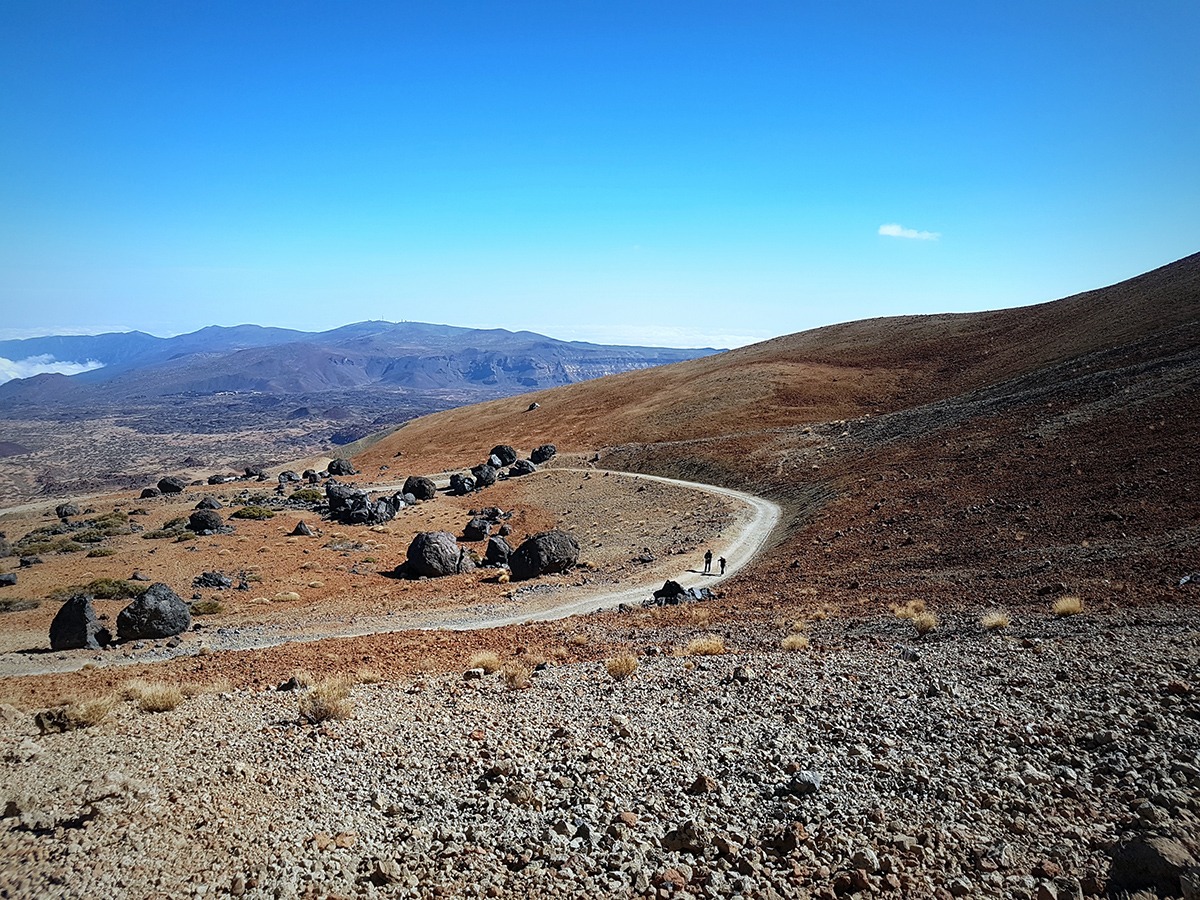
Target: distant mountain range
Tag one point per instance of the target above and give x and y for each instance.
(252, 359)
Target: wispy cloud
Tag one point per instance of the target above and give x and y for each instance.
(894, 230)
(37, 365)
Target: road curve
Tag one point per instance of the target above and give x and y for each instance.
(759, 519)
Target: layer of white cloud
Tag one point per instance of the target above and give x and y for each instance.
(894, 230)
(36, 365)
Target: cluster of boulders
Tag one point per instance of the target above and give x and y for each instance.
(433, 554)
(502, 461)
(673, 594)
(157, 613)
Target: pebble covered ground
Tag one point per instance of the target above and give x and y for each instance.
(1011, 763)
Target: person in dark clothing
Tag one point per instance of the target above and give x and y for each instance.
(707, 562)
(722, 562)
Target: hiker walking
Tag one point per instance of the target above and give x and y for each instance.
(722, 562)
(707, 562)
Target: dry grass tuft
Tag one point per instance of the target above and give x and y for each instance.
(368, 676)
(925, 622)
(621, 667)
(516, 676)
(909, 610)
(327, 699)
(1068, 606)
(795, 642)
(578, 640)
(486, 660)
(995, 620)
(159, 698)
(85, 713)
(706, 645)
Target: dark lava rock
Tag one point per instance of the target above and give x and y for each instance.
(213, 580)
(672, 594)
(543, 453)
(66, 510)
(158, 613)
(5, 546)
(210, 502)
(521, 467)
(437, 553)
(311, 476)
(1150, 861)
(221, 479)
(172, 485)
(255, 472)
(302, 530)
(477, 529)
(341, 467)
(506, 454)
(75, 626)
(27, 561)
(8, 579)
(543, 554)
(351, 506)
(461, 484)
(420, 487)
(802, 784)
(484, 475)
(288, 475)
(204, 520)
(147, 493)
(498, 552)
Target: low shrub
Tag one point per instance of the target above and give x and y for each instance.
(86, 713)
(368, 676)
(795, 642)
(103, 589)
(327, 699)
(17, 604)
(206, 607)
(486, 660)
(252, 512)
(516, 676)
(925, 622)
(1068, 606)
(994, 620)
(307, 495)
(909, 610)
(706, 645)
(100, 552)
(158, 697)
(621, 667)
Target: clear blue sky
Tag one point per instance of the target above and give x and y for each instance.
(682, 173)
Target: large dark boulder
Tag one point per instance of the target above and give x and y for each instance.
(436, 553)
(66, 510)
(543, 453)
(484, 475)
(351, 506)
(498, 552)
(158, 613)
(521, 467)
(420, 487)
(310, 475)
(1150, 861)
(76, 627)
(341, 467)
(221, 479)
(210, 502)
(506, 454)
(147, 493)
(8, 579)
(204, 521)
(302, 530)
(477, 529)
(255, 472)
(461, 484)
(544, 554)
(172, 485)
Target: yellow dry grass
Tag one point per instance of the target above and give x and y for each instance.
(706, 645)
(995, 620)
(925, 622)
(795, 642)
(159, 698)
(909, 610)
(368, 676)
(1068, 606)
(85, 713)
(486, 660)
(622, 666)
(516, 676)
(327, 699)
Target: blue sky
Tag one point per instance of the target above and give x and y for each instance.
(678, 173)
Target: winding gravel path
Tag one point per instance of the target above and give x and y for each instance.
(755, 523)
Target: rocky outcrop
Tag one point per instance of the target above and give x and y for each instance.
(506, 454)
(171, 485)
(75, 626)
(204, 521)
(420, 487)
(158, 613)
(544, 554)
(543, 453)
(437, 553)
(341, 467)
(521, 467)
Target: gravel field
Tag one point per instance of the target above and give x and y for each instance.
(1014, 763)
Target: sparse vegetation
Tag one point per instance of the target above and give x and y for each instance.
(577, 640)
(307, 495)
(252, 512)
(909, 610)
(368, 676)
(486, 660)
(1070, 605)
(17, 604)
(795, 642)
(925, 622)
(621, 667)
(516, 676)
(103, 589)
(327, 699)
(85, 713)
(995, 620)
(706, 645)
(159, 698)
(206, 607)
(99, 552)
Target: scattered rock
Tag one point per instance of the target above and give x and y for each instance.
(1150, 861)
(543, 554)
(437, 553)
(213, 580)
(461, 484)
(802, 784)
(158, 613)
(76, 627)
(210, 502)
(66, 510)
(477, 529)
(302, 530)
(147, 493)
(8, 579)
(498, 552)
(521, 467)
(505, 454)
(484, 475)
(341, 467)
(171, 485)
(420, 487)
(205, 521)
(543, 453)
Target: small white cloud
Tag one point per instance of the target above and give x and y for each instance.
(37, 365)
(894, 230)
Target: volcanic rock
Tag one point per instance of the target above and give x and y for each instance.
(521, 467)
(498, 552)
(204, 521)
(8, 579)
(484, 475)
(543, 554)
(301, 530)
(506, 454)
(66, 510)
(437, 553)
(420, 487)
(543, 453)
(213, 580)
(158, 613)
(461, 484)
(171, 485)
(1150, 861)
(147, 493)
(210, 502)
(75, 626)
(477, 529)
(341, 467)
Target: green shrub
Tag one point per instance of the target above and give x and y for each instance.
(103, 589)
(16, 604)
(101, 552)
(252, 512)
(307, 495)
(206, 607)
(89, 536)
